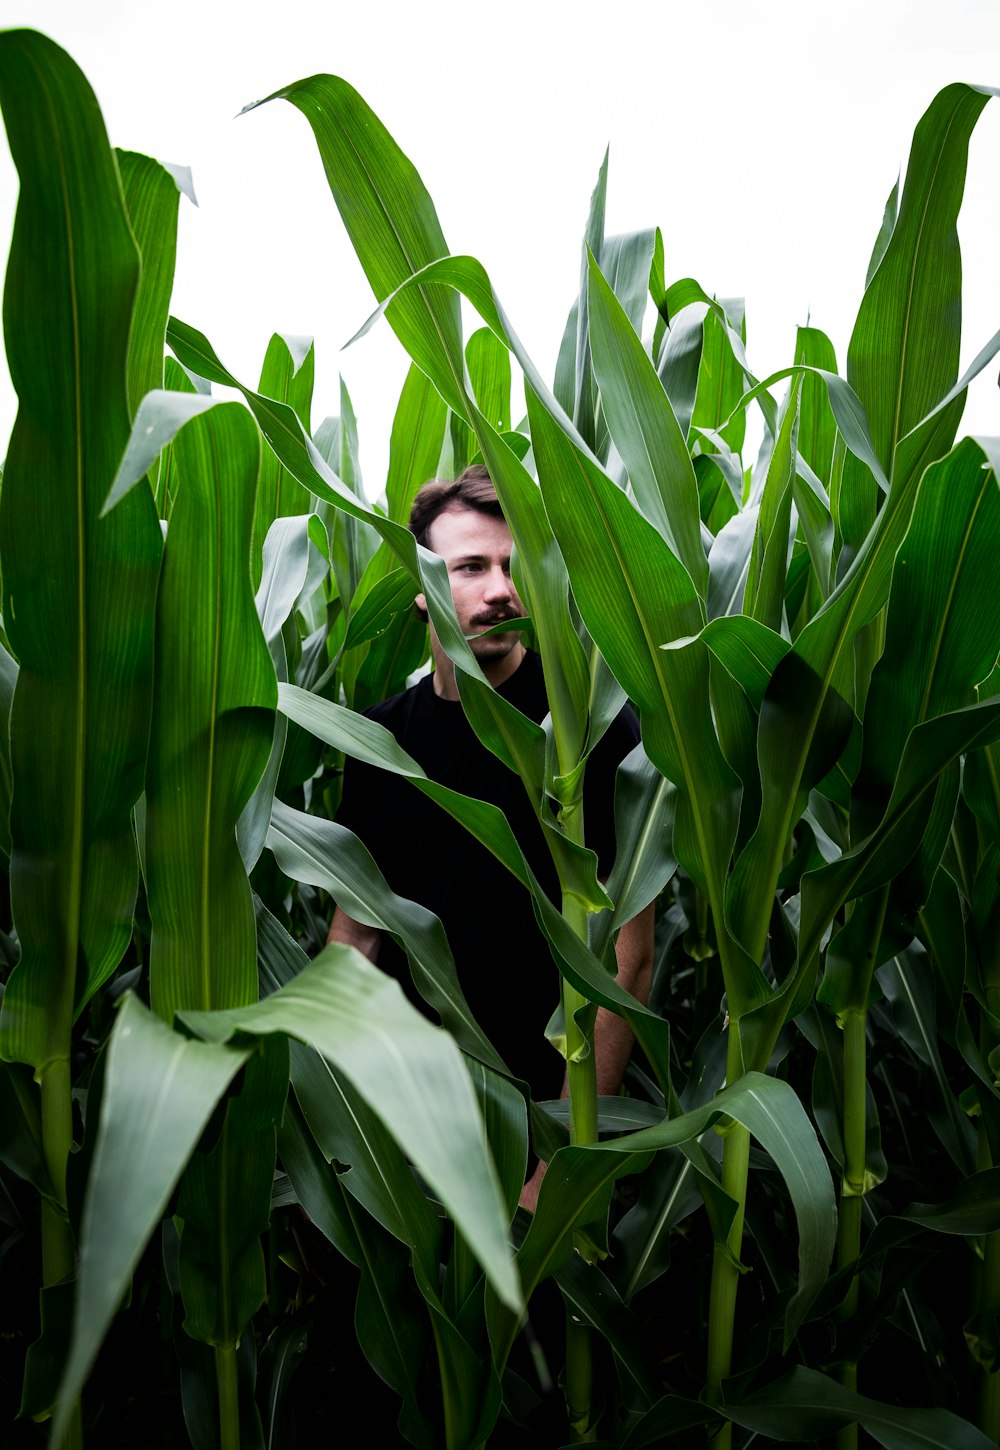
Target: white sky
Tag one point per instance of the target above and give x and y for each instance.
(762, 138)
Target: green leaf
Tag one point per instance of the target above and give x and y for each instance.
(415, 442)
(767, 1107)
(325, 854)
(390, 1319)
(931, 746)
(287, 555)
(287, 374)
(152, 195)
(942, 633)
(225, 1203)
(645, 431)
(411, 1074)
(79, 624)
(903, 355)
(806, 1405)
(390, 220)
(817, 425)
(636, 597)
(160, 1090)
(489, 373)
(212, 723)
(765, 590)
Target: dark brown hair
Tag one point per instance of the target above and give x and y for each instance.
(473, 489)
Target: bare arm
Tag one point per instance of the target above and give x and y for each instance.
(613, 1037)
(350, 933)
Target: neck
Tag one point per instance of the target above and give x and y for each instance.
(496, 671)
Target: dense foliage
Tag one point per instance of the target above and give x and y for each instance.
(227, 1161)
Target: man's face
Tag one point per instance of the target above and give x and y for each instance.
(476, 548)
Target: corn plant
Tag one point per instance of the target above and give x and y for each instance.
(809, 642)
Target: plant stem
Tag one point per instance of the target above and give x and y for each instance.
(57, 1137)
(581, 1077)
(989, 1400)
(726, 1256)
(229, 1397)
(852, 1188)
(58, 1249)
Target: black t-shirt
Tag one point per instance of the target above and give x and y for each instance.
(503, 961)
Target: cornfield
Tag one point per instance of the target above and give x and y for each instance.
(239, 1160)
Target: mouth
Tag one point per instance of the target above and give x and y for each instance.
(487, 621)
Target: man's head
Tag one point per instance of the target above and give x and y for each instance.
(463, 522)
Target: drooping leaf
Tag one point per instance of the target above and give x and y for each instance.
(160, 1089)
(410, 1072)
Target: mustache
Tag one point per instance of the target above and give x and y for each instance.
(494, 616)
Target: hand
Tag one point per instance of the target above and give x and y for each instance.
(529, 1193)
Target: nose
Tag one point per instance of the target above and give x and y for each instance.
(498, 585)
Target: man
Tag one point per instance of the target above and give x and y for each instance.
(503, 962)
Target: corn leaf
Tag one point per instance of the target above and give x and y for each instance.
(806, 1405)
(411, 1074)
(645, 431)
(160, 1089)
(213, 723)
(80, 626)
(287, 374)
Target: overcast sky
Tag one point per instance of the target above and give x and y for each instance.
(762, 138)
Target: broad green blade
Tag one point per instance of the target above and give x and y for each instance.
(817, 426)
(212, 723)
(415, 442)
(411, 1074)
(774, 1115)
(806, 1405)
(152, 196)
(391, 594)
(765, 589)
(910, 991)
(160, 1089)
(931, 747)
(942, 629)
(721, 375)
(346, 1130)
(390, 1318)
(885, 231)
(646, 433)
(80, 625)
(390, 220)
(287, 553)
(287, 374)
(585, 399)
(635, 598)
(325, 854)
(349, 1132)
(903, 355)
(644, 860)
(489, 374)
(21, 1145)
(224, 1205)
(367, 740)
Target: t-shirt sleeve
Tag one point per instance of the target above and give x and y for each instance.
(621, 736)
